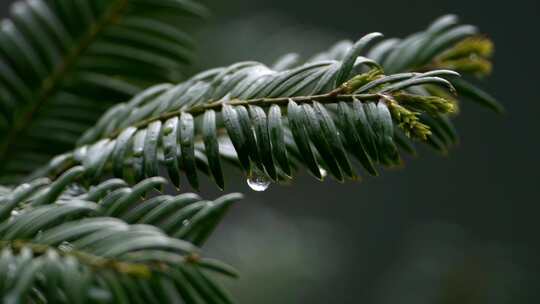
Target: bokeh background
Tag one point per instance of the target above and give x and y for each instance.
(461, 228)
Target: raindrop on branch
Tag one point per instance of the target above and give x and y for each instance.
(323, 172)
(258, 180)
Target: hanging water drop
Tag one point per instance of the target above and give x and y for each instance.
(186, 222)
(323, 172)
(258, 180)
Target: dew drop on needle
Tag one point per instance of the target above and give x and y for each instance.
(258, 180)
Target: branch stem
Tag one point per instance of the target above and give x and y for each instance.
(50, 84)
(98, 262)
(329, 98)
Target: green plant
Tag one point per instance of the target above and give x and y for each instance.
(71, 233)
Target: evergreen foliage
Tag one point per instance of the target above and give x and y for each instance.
(97, 83)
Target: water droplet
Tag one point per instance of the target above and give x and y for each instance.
(186, 222)
(323, 172)
(258, 181)
(65, 246)
(15, 213)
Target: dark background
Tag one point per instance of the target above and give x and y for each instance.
(456, 229)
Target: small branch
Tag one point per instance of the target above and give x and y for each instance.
(328, 98)
(266, 102)
(137, 269)
(98, 262)
(50, 84)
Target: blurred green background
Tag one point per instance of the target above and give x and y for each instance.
(461, 228)
(456, 229)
